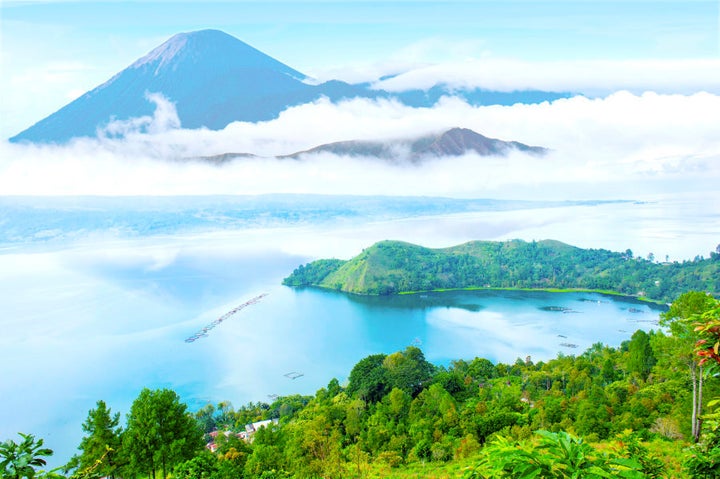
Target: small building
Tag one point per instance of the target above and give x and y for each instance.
(246, 435)
(252, 428)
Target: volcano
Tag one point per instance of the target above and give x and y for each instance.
(214, 79)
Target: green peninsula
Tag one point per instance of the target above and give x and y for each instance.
(395, 267)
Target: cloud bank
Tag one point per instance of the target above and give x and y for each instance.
(620, 145)
(590, 77)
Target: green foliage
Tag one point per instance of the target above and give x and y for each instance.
(642, 357)
(408, 370)
(481, 369)
(490, 423)
(202, 466)
(265, 458)
(160, 433)
(391, 267)
(312, 273)
(651, 466)
(703, 459)
(267, 453)
(554, 455)
(376, 375)
(206, 465)
(20, 460)
(368, 378)
(681, 319)
(211, 417)
(100, 447)
(707, 327)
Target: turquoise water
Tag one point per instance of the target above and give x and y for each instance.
(89, 326)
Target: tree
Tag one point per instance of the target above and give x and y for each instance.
(267, 459)
(202, 466)
(707, 326)
(482, 369)
(160, 433)
(715, 255)
(704, 462)
(642, 358)
(678, 319)
(101, 445)
(232, 453)
(408, 370)
(206, 418)
(20, 460)
(368, 379)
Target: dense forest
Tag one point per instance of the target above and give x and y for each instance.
(643, 409)
(391, 267)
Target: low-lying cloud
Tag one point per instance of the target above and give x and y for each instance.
(618, 146)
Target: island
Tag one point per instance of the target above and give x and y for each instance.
(396, 267)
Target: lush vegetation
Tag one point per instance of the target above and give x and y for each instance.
(391, 267)
(631, 411)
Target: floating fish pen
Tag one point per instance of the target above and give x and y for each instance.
(558, 309)
(204, 331)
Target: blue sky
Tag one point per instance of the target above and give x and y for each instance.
(322, 32)
(52, 51)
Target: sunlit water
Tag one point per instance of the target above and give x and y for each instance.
(102, 317)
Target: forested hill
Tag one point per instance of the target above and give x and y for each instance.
(391, 267)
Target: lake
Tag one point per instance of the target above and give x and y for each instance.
(90, 311)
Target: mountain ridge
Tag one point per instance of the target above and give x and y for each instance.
(448, 143)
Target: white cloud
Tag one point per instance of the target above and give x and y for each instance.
(622, 145)
(593, 77)
(164, 118)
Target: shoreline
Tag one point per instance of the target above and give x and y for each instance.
(643, 299)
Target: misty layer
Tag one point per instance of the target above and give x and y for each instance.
(617, 146)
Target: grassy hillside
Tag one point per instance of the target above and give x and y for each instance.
(392, 267)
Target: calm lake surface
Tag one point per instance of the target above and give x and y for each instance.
(103, 315)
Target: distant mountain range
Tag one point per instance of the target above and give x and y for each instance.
(215, 79)
(453, 142)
